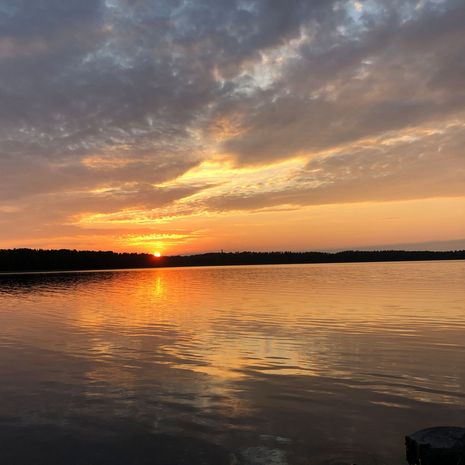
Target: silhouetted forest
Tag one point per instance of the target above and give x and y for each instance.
(15, 260)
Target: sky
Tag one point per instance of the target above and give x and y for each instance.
(185, 126)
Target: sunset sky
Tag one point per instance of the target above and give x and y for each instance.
(185, 126)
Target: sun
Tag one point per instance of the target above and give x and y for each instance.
(157, 254)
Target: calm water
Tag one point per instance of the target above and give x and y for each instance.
(313, 364)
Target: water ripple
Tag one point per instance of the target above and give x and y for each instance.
(329, 358)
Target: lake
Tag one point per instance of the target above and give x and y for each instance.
(274, 365)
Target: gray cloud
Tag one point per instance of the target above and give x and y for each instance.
(144, 66)
(388, 74)
(37, 175)
(119, 96)
(404, 170)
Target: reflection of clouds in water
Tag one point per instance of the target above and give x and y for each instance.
(243, 356)
(210, 322)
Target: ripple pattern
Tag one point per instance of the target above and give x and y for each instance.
(313, 364)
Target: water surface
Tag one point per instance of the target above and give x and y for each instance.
(299, 364)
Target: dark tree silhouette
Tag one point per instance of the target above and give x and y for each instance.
(16, 260)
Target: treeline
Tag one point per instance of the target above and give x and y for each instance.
(277, 258)
(50, 260)
(15, 260)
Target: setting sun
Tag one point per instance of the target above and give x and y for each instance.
(157, 254)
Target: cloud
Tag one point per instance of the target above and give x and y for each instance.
(107, 105)
(416, 166)
(386, 73)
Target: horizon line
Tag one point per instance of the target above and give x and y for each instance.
(223, 252)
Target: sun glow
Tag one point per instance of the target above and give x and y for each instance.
(157, 254)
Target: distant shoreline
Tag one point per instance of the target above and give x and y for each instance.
(32, 260)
